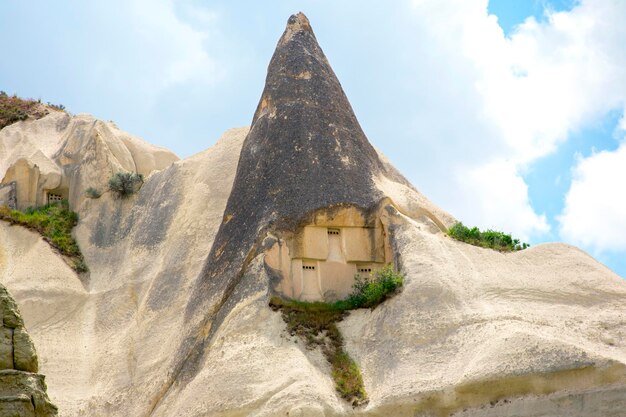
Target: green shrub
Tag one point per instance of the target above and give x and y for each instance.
(369, 292)
(55, 223)
(92, 193)
(487, 239)
(124, 184)
(57, 107)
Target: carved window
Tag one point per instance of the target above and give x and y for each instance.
(54, 198)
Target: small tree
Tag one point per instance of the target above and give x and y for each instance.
(124, 184)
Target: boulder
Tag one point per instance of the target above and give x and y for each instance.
(22, 389)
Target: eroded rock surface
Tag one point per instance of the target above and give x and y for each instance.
(305, 151)
(174, 320)
(22, 389)
(60, 156)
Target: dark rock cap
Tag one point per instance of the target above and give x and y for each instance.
(305, 151)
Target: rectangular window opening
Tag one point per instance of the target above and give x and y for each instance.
(53, 198)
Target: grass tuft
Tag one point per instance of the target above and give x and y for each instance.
(316, 324)
(55, 223)
(488, 239)
(348, 379)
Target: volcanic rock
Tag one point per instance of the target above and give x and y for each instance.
(174, 320)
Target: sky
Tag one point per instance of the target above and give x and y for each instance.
(510, 115)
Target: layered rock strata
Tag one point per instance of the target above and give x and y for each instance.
(22, 389)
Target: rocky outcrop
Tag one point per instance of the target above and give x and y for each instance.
(8, 195)
(305, 152)
(14, 109)
(22, 389)
(124, 325)
(174, 320)
(60, 156)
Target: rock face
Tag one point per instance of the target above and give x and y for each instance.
(305, 151)
(59, 156)
(22, 390)
(174, 319)
(8, 195)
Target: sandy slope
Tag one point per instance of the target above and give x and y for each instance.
(125, 318)
(472, 326)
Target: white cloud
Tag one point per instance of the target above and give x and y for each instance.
(180, 48)
(622, 122)
(504, 201)
(501, 102)
(595, 206)
(139, 48)
(574, 75)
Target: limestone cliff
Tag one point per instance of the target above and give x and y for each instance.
(22, 389)
(174, 320)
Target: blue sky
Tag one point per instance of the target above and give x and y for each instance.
(508, 114)
(513, 12)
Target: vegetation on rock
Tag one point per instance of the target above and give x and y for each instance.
(316, 324)
(13, 109)
(368, 293)
(125, 184)
(92, 192)
(488, 239)
(55, 223)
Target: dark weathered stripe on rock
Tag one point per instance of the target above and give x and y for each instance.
(305, 151)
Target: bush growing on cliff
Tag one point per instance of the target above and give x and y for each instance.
(91, 192)
(55, 223)
(316, 324)
(487, 239)
(369, 292)
(124, 184)
(13, 109)
(57, 107)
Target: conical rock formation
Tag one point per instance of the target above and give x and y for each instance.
(174, 320)
(305, 152)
